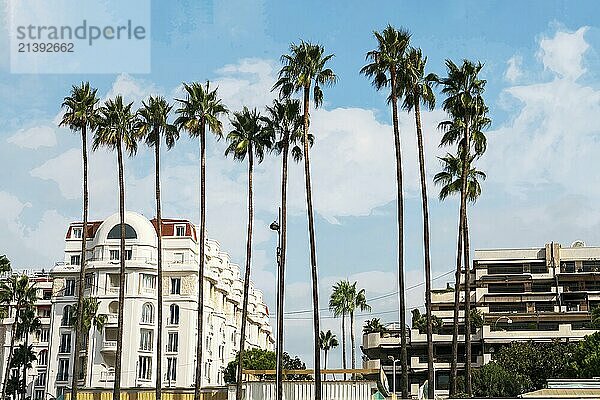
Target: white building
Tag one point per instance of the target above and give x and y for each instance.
(223, 297)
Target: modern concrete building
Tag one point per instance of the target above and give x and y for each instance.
(539, 294)
(223, 288)
(40, 341)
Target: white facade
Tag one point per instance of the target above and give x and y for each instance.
(222, 301)
(36, 376)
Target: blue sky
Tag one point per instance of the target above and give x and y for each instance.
(541, 62)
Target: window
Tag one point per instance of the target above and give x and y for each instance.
(147, 313)
(69, 287)
(114, 280)
(77, 233)
(63, 370)
(148, 281)
(179, 230)
(40, 379)
(145, 368)
(47, 295)
(113, 307)
(39, 394)
(175, 285)
(76, 260)
(115, 232)
(171, 369)
(42, 358)
(221, 352)
(207, 370)
(43, 312)
(146, 339)
(82, 367)
(65, 343)
(174, 314)
(173, 342)
(128, 254)
(114, 255)
(178, 258)
(89, 281)
(44, 335)
(67, 316)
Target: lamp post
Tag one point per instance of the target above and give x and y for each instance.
(508, 320)
(279, 348)
(394, 361)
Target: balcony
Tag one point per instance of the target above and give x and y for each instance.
(107, 376)
(109, 346)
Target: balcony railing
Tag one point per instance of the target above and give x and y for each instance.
(107, 376)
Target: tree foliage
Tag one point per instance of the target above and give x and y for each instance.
(419, 321)
(493, 380)
(374, 325)
(259, 359)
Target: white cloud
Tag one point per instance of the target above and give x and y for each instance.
(34, 138)
(563, 53)
(513, 71)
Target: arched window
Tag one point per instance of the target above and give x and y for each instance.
(147, 313)
(113, 307)
(174, 317)
(67, 316)
(115, 232)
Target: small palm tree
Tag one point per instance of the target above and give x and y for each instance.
(249, 139)
(416, 88)
(200, 108)
(356, 301)
(339, 305)
(4, 264)
(29, 323)
(374, 326)
(23, 358)
(81, 114)
(304, 70)
(90, 318)
(284, 123)
(18, 293)
(385, 62)
(450, 180)
(151, 126)
(327, 341)
(115, 131)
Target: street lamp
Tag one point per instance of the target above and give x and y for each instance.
(394, 361)
(278, 350)
(508, 320)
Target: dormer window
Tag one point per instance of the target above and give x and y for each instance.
(179, 230)
(77, 233)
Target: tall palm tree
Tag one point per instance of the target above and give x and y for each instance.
(356, 301)
(200, 108)
(151, 126)
(416, 88)
(450, 180)
(304, 69)
(115, 131)
(90, 317)
(284, 122)
(81, 114)
(327, 341)
(29, 323)
(339, 305)
(464, 103)
(383, 68)
(18, 293)
(22, 358)
(249, 138)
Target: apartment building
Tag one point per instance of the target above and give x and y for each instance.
(40, 341)
(222, 307)
(539, 294)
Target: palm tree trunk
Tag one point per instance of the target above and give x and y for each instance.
(468, 350)
(119, 352)
(463, 216)
(15, 326)
(325, 364)
(159, 286)
(344, 364)
(352, 342)
(238, 393)
(80, 294)
(313, 248)
(283, 243)
(454, 361)
(400, 197)
(24, 384)
(430, 368)
(201, 240)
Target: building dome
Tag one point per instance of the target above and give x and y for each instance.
(137, 229)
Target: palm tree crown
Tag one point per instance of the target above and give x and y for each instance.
(115, 127)
(152, 122)
(249, 135)
(284, 121)
(413, 85)
(81, 108)
(450, 178)
(304, 65)
(328, 340)
(200, 107)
